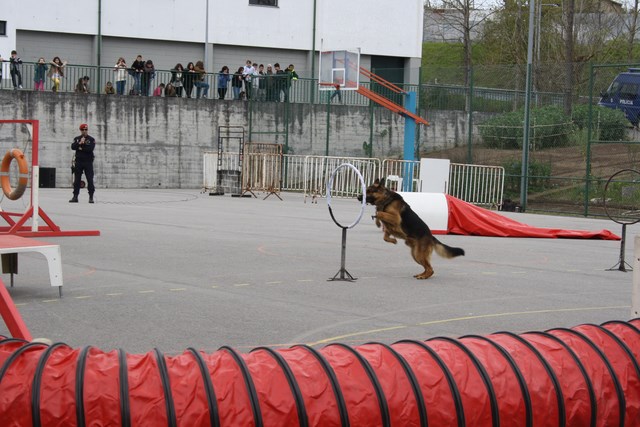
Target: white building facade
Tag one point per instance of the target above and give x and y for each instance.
(97, 32)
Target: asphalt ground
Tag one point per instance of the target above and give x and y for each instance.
(174, 269)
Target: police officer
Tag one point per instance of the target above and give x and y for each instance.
(83, 146)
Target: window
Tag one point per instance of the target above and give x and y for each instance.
(3, 28)
(264, 2)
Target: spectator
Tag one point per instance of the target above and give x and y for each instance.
(158, 91)
(39, 74)
(109, 89)
(177, 76)
(121, 75)
(14, 69)
(1, 61)
(291, 75)
(336, 93)
(260, 83)
(279, 82)
(56, 72)
(269, 84)
(147, 77)
(292, 72)
(137, 69)
(189, 79)
(236, 83)
(200, 80)
(247, 73)
(223, 82)
(83, 85)
(170, 90)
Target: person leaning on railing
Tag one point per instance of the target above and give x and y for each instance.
(200, 81)
(137, 69)
(39, 74)
(189, 79)
(177, 79)
(223, 82)
(121, 75)
(56, 72)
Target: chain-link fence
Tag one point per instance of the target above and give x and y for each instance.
(574, 144)
(581, 130)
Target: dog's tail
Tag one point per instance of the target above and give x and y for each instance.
(447, 251)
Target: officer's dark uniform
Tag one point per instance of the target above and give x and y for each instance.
(83, 146)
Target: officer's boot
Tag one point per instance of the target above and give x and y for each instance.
(74, 199)
(91, 198)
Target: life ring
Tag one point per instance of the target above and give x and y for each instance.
(23, 177)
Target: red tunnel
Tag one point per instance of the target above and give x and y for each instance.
(585, 376)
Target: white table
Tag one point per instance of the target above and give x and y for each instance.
(12, 244)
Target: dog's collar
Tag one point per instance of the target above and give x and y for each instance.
(387, 201)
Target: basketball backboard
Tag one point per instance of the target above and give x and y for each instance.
(339, 67)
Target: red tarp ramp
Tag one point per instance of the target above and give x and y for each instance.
(588, 375)
(470, 220)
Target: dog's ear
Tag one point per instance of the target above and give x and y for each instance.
(382, 181)
(377, 181)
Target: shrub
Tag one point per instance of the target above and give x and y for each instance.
(539, 177)
(609, 125)
(549, 127)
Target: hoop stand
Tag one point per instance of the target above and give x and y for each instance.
(622, 264)
(343, 271)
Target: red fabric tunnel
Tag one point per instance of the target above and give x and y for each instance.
(585, 376)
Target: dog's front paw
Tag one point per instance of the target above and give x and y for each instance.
(390, 239)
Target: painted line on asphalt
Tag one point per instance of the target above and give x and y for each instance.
(371, 331)
(521, 313)
(458, 319)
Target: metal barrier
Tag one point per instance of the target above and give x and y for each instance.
(275, 172)
(262, 168)
(230, 161)
(480, 185)
(317, 169)
(395, 170)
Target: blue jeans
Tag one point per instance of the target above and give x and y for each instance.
(236, 92)
(136, 82)
(120, 84)
(202, 86)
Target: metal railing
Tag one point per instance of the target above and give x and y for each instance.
(301, 90)
(480, 185)
(273, 172)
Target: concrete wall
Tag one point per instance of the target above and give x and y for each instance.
(159, 142)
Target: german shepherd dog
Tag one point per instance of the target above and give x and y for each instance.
(400, 221)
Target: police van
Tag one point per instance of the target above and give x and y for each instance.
(624, 94)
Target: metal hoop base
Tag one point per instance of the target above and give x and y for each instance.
(343, 271)
(622, 264)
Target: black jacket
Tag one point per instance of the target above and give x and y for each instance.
(84, 152)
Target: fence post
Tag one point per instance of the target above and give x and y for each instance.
(470, 119)
(635, 295)
(587, 173)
